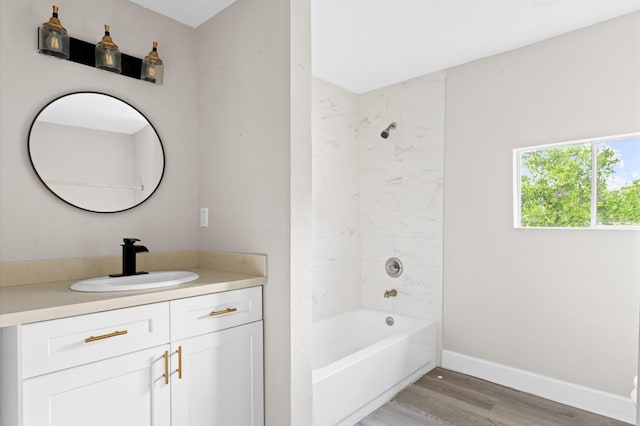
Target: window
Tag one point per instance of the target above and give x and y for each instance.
(582, 184)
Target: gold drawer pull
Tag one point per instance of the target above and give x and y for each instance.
(224, 311)
(166, 367)
(105, 336)
(179, 362)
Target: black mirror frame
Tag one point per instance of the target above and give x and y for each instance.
(164, 158)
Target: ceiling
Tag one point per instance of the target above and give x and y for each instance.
(362, 45)
(190, 12)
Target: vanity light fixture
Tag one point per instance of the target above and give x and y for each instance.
(152, 67)
(53, 38)
(107, 53)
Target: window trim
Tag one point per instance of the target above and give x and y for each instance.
(517, 190)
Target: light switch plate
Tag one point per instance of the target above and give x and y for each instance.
(204, 217)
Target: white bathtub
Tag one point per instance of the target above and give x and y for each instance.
(360, 362)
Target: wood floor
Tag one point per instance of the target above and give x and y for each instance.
(445, 398)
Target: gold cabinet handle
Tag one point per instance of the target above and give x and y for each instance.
(105, 336)
(179, 351)
(166, 367)
(224, 311)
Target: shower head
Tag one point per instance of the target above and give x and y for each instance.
(390, 127)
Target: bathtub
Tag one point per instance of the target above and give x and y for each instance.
(360, 362)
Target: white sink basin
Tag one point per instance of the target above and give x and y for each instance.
(135, 282)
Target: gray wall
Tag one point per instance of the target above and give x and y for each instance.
(34, 224)
(562, 303)
(254, 161)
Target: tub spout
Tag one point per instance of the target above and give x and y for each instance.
(390, 293)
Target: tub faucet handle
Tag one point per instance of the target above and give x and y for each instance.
(393, 266)
(390, 293)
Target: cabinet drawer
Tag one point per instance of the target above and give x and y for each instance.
(53, 345)
(203, 314)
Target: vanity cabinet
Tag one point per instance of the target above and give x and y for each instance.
(218, 336)
(186, 362)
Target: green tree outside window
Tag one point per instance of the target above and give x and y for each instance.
(556, 186)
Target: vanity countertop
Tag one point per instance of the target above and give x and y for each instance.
(45, 301)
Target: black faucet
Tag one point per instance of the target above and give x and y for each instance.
(129, 251)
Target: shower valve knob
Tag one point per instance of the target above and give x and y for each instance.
(393, 266)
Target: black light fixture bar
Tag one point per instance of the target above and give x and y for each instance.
(82, 52)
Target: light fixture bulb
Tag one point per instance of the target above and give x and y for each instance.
(108, 59)
(53, 42)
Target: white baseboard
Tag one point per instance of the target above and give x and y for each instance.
(593, 400)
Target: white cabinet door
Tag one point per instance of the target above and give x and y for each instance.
(127, 390)
(221, 379)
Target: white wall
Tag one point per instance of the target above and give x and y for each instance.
(336, 201)
(34, 224)
(301, 154)
(561, 303)
(254, 161)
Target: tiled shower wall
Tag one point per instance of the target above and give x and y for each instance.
(401, 194)
(335, 201)
(377, 198)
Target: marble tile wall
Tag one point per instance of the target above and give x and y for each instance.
(376, 198)
(335, 201)
(401, 194)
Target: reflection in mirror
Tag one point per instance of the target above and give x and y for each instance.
(96, 152)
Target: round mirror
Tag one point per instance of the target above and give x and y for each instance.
(96, 152)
